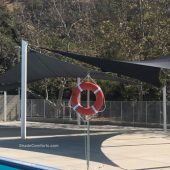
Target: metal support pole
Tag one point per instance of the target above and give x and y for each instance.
(164, 109)
(23, 89)
(88, 131)
(78, 116)
(88, 144)
(5, 106)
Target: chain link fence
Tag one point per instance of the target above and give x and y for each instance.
(12, 108)
(141, 113)
(135, 113)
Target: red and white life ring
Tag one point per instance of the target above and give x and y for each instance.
(75, 102)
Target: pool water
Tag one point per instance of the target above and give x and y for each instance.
(3, 167)
(12, 164)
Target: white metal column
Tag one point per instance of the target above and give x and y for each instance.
(23, 88)
(164, 109)
(5, 106)
(78, 116)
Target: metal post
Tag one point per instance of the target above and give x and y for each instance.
(88, 98)
(110, 113)
(133, 104)
(70, 113)
(31, 109)
(146, 118)
(121, 110)
(164, 109)
(19, 89)
(23, 89)
(88, 144)
(19, 104)
(88, 131)
(160, 111)
(44, 109)
(78, 116)
(5, 106)
(64, 111)
(88, 141)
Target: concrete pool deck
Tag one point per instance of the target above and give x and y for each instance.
(62, 146)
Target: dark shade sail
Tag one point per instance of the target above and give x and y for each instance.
(161, 62)
(41, 66)
(143, 72)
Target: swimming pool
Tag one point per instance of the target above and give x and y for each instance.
(3, 167)
(11, 164)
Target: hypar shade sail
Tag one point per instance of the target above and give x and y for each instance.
(41, 66)
(143, 72)
(161, 62)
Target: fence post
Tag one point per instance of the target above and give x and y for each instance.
(44, 108)
(70, 113)
(64, 110)
(19, 89)
(31, 109)
(121, 110)
(110, 114)
(133, 104)
(164, 109)
(160, 104)
(18, 107)
(146, 116)
(78, 116)
(5, 106)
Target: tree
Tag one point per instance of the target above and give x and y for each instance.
(114, 29)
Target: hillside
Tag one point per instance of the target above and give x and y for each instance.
(114, 29)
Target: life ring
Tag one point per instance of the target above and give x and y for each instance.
(75, 102)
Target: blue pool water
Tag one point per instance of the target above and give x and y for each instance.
(11, 164)
(3, 167)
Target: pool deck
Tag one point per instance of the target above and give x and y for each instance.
(62, 146)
